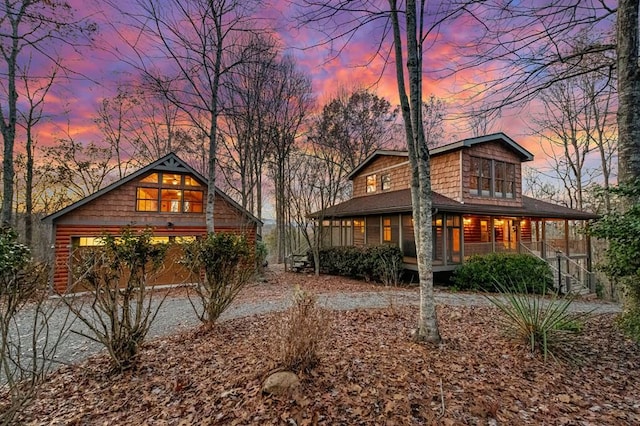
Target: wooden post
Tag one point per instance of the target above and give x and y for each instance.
(566, 245)
(543, 246)
(493, 234)
(518, 236)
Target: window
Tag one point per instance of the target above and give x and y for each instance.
(147, 200)
(492, 178)
(386, 229)
(164, 192)
(371, 183)
(386, 182)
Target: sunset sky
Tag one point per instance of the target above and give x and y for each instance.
(72, 106)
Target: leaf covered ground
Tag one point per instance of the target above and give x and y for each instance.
(371, 372)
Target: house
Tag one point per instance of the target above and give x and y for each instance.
(167, 195)
(478, 208)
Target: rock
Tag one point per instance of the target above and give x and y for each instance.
(279, 383)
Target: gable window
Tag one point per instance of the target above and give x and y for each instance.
(371, 183)
(169, 192)
(492, 178)
(386, 182)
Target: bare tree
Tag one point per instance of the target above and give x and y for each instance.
(81, 170)
(433, 115)
(28, 27)
(247, 120)
(420, 21)
(194, 36)
(550, 34)
(29, 119)
(355, 123)
(292, 98)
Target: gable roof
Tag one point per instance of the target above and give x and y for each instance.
(376, 153)
(400, 201)
(464, 143)
(169, 163)
(493, 137)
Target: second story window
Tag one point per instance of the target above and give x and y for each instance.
(371, 183)
(492, 178)
(386, 182)
(169, 192)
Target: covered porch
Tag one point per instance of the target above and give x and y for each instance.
(456, 237)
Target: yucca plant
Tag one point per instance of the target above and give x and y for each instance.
(546, 325)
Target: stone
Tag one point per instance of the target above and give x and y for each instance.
(279, 383)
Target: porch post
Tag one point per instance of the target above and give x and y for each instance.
(518, 235)
(400, 232)
(590, 280)
(493, 234)
(566, 237)
(445, 238)
(543, 246)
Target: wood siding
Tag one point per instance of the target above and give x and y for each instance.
(396, 166)
(115, 209)
(495, 151)
(445, 176)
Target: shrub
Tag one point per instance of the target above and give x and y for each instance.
(119, 312)
(382, 263)
(27, 343)
(547, 326)
(495, 271)
(301, 332)
(221, 265)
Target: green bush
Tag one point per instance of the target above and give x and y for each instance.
(221, 265)
(118, 309)
(494, 271)
(382, 263)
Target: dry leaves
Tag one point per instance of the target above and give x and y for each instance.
(372, 373)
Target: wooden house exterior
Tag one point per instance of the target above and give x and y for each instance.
(478, 208)
(167, 196)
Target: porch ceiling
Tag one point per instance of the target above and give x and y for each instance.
(400, 201)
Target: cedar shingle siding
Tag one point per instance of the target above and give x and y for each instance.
(114, 208)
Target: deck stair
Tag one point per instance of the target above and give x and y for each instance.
(568, 275)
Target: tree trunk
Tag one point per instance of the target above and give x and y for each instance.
(628, 92)
(419, 157)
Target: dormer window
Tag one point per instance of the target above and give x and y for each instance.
(371, 183)
(386, 182)
(170, 193)
(492, 178)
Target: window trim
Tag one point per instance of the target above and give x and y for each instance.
(385, 182)
(371, 187)
(476, 168)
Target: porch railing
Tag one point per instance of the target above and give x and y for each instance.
(569, 276)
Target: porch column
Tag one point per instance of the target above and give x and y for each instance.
(543, 246)
(493, 234)
(566, 237)
(590, 279)
(400, 232)
(518, 235)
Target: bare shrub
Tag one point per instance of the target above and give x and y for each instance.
(118, 309)
(27, 342)
(301, 333)
(221, 265)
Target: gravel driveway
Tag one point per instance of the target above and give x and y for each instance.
(177, 314)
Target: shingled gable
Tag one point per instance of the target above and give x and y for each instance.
(494, 137)
(500, 137)
(169, 163)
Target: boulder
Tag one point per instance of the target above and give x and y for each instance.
(279, 383)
